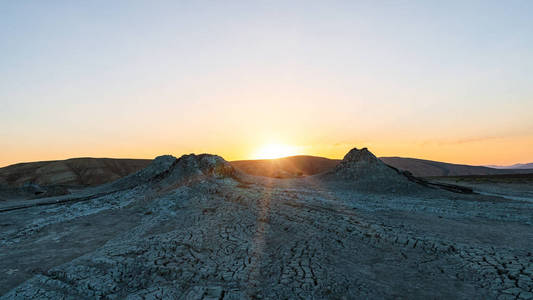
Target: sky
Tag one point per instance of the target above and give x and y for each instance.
(442, 80)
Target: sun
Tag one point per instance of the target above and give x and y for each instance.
(270, 151)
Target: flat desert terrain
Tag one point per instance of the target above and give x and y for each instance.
(195, 227)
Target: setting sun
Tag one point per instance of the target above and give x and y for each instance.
(248, 149)
(275, 151)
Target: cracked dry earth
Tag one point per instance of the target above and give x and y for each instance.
(222, 235)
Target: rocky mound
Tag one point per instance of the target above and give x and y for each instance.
(363, 170)
(160, 165)
(167, 171)
(186, 230)
(363, 165)
(193, 168)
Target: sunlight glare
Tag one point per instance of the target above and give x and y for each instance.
(270, 151)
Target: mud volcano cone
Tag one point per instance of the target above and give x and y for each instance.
(362, 170)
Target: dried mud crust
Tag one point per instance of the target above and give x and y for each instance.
(214, 236)
(217, 240)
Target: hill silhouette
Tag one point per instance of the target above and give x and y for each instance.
(287, 167)
(195, 227)
(71, 172)
(305, 165)
(429, 168)
(84, 172)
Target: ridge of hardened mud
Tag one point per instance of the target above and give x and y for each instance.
(156, 177)
(446, 186)
(82, 198)
(57, 201)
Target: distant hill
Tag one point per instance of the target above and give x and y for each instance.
(71, 172)
(304, 165)
(428, 168)
(95, 171)
(515, 166)
(292, 166)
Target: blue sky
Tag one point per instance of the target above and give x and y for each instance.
(433, 79)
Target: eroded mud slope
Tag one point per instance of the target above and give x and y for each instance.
(199, 229)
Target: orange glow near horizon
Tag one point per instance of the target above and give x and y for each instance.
(490, 151)
(275, 150)
(245, 87)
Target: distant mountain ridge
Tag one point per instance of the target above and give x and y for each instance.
(286, 167)
(515, 166)
(429, 168)
(71, 172)
(95, 171)
(304, 165)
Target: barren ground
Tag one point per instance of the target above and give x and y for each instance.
(225, 237)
